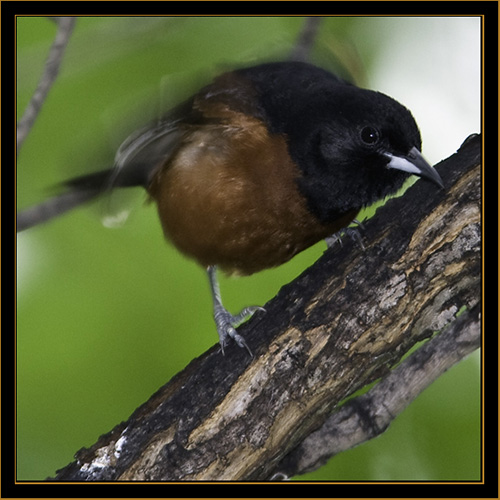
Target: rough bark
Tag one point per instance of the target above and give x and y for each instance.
(342, 324)
(367, 416)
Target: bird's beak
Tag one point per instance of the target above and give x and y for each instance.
(416, 164)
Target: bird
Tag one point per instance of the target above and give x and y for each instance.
(257, 166)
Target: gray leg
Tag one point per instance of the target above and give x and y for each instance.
(225, 321)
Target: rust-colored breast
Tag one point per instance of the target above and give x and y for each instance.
(237, 208)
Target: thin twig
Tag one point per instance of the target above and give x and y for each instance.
(305, 41)
(52, 65)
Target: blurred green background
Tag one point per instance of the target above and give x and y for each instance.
(107, 316)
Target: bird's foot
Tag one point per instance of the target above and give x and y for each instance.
(226, 325)
(353, 232)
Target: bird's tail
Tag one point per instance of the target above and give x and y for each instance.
(79, 190)
(135, 163)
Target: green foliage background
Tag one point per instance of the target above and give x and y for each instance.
(107, 316)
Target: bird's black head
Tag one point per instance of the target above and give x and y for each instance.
(353, 146)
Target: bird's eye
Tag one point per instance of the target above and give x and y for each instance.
(369, 135)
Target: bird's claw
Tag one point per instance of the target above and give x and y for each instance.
(226, 324)
(353, 232)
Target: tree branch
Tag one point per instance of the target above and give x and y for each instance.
(369, 415)
(339, 326)
(50, 72)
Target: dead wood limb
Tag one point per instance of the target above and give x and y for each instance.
(369, 415)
